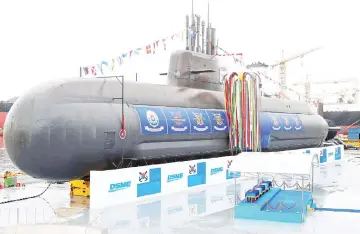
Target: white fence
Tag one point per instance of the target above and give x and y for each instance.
(114, 187)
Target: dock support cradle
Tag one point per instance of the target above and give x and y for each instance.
(80, 188)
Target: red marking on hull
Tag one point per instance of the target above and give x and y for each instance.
(2, 121)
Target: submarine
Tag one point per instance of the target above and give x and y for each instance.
(61, 130)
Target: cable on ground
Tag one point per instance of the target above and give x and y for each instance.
(26, 198)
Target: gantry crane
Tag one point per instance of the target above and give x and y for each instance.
(282, 66)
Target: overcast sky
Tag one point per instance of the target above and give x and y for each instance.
(42, 40)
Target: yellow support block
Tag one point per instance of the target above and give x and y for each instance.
(309, 209)
(353, 143)
(80, 188)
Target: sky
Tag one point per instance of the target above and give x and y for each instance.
(45, 40)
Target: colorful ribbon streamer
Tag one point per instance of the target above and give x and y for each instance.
(242, 106)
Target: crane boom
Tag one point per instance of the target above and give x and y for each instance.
(326, 82)
(296, 57)
(282, 68)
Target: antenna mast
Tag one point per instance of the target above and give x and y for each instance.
(208, 32)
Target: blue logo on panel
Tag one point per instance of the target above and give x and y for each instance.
(337, 153)
(197, 174)
(284, 122)
(216, 170)
(218, 121)
(287, 124)
(175, 177)
(152, 120)
(323, 155)
(149, 182)
(298, 126)
(275, 120)
(119, 186)
(199, 120)
(177, 120)
(231, 175)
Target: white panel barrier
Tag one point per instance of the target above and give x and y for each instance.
(327, 154)
(216, 171)
(114, 187)
(174, 177)
(167, 210)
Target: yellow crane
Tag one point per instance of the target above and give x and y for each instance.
(282, 66)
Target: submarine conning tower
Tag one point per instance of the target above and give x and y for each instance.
(197, 65)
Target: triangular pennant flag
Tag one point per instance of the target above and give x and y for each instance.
(137, 51)
(120, 60)
(100, 68)
(93, 70)
(148, 49)
(113, 64)
(86, 70)
(104, 63)
(130, 53)
(123, 55)
(164, 42)
(154, 44)
(157, 43)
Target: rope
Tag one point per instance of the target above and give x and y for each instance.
(242, 110)
(308, 186)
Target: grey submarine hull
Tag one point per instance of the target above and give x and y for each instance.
(61, 130)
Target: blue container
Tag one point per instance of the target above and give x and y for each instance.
(252, 193)
(353, 136)
(259, 189)
(266, 185)
(262, 187)
(268, 182)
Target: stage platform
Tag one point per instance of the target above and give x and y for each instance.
(275, 205)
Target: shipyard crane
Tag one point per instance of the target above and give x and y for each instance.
(307, 84)
(282, 66)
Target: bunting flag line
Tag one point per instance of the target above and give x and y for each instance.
(151, 48)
